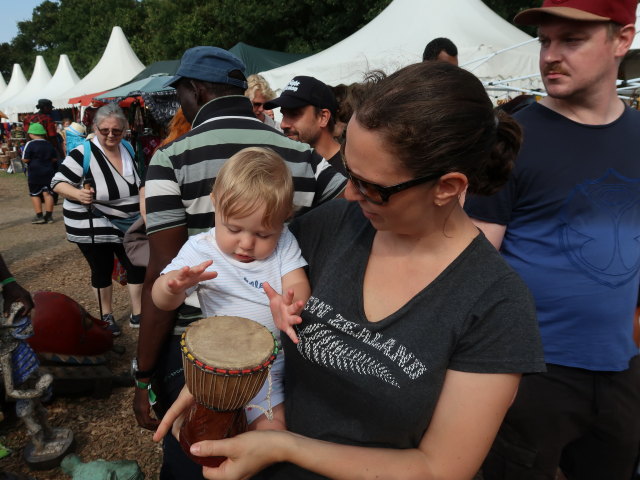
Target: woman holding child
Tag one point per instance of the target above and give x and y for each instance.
(411, 346)
(101, 202)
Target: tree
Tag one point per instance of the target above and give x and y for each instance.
(508, 9)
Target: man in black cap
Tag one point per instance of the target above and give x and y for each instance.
(308, 110)
(210, 84)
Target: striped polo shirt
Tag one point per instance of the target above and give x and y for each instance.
(116, 195)
(181, 174)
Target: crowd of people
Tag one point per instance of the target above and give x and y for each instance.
(454, 288)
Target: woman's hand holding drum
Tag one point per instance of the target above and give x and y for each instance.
(285, 312)
(173, 419)
(247, 453)
(246, 457)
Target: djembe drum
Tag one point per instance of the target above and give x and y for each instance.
(226, 361)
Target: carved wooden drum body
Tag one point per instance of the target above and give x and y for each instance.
(226, 361)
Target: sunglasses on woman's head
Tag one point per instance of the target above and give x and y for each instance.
(116, 132)
(379, 195)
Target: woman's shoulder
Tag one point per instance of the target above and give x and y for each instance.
(329, 214)
(482, 268)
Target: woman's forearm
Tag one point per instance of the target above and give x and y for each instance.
(344, 462)
(68, 191)
(253, 451)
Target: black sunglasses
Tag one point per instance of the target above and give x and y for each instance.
(116, 132)
(378, 194)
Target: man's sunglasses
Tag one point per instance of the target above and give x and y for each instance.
(378, 194)
(116, 132)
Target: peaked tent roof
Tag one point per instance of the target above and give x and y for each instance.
(259, 59)
(63, 79)
(16, 83)
(3, 85)
(39, 79)
(118, 65)
(398, 35)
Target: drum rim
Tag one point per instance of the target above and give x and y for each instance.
(229, 372)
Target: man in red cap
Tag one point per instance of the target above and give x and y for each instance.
(568, 222)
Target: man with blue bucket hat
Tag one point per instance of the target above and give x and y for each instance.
(210, 85)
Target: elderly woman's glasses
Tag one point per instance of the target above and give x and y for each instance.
(378, 194)
(116, 132)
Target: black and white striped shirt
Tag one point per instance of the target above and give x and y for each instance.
(116, 195)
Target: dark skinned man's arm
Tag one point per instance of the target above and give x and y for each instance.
(156, 325)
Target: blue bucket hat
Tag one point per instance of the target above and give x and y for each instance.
(209, 64)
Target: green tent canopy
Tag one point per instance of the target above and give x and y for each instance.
(260, 59)
(167, 67)
(153, 77)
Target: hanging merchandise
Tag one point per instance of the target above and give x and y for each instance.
(161, 105)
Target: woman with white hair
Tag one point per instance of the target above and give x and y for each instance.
(101, 202)
(259, 92)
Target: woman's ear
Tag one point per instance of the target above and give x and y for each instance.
(450, 187)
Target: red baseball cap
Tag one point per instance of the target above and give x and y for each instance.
(619, 11)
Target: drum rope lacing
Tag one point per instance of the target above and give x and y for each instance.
(234, 395)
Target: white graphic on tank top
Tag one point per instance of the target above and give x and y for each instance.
(324, 344)
(321, 345)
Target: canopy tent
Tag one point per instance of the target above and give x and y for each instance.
(3, 85)
(39, 79)
(630, 67)
(16, 83)
(398, 35)
(84, 100)
(260, 59)
(163, 67)
(151, 84)
(118, 65)
(63, 79)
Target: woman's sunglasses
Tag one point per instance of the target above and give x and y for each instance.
(116, 132)
(378, 194)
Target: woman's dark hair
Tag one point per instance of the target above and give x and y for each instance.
(437, 118)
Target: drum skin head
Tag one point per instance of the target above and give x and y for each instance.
(229, 342)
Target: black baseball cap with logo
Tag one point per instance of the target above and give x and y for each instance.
(302, 91)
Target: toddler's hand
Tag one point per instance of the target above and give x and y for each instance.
(285, 312)
(187, 277)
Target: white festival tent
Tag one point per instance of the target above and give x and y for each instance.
(16, 83)
(39, 79)
(631, 64)
(118, 65)
(3, 85)
(490, 47)
(63, 79)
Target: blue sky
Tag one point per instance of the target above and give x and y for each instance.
(12, 12)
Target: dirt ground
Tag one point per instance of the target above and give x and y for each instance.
(41, 258)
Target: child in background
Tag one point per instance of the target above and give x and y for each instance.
(40, 157)
(249, 248)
